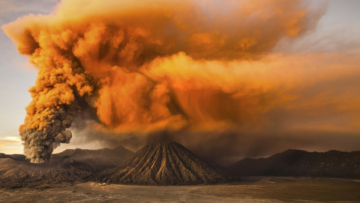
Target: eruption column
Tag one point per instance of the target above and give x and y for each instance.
(122, 58)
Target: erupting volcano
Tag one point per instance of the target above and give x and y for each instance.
(188, 94)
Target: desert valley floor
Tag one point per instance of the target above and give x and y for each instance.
(250, 189)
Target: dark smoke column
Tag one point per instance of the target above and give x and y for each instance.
(53, 106)
(39, 143)
(50, 113)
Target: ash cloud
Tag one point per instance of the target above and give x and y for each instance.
(150, 66)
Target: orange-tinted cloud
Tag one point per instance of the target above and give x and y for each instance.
(147, 66)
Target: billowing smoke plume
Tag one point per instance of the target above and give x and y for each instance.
(148, 66)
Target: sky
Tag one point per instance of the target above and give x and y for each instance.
(16, 74)
(338, 32)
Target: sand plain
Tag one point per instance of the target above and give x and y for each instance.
(250, 189)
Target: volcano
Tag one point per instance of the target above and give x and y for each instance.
(165, 163)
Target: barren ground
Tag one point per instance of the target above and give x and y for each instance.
(251, 189)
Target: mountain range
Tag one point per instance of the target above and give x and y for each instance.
(301, 163)
(167, 163)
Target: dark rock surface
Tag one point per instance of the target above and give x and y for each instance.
(301, 163)
(166, 163)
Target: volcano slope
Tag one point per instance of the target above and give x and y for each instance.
(70, 166)
(165, 163)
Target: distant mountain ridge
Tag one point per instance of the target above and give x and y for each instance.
(68, 166)
(99, 159)
(301, 163)
(18, 157)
